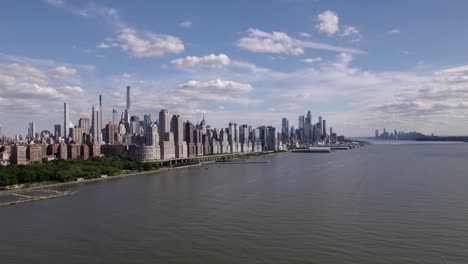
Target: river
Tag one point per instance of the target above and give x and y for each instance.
(384, 203)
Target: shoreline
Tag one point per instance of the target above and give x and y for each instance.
(122, 175)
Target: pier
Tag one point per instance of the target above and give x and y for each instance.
(18, 197)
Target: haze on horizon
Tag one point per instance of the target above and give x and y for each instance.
(362, 65)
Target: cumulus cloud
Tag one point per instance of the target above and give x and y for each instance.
(328, 22)
(24, 73)
(73, 89)
(349, 31)
(439, 99)
(62, 72)
(212, 61)
(305, 34)
(144, 45)
(136, 43)
(312, 60)
(103, 46)
(280, 42)
(34, 92)
(275, 42)
(214, 86)
(394, 31)
(186, 24)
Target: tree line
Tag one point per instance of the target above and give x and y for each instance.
(70, 170)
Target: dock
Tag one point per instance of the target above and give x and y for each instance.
(18, 197)
(312, 150)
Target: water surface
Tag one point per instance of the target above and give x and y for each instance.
(404, 203)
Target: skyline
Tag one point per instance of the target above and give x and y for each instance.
(360, 69)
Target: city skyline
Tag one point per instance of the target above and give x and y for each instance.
(339, 60)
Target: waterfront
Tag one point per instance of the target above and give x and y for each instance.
(385, 203)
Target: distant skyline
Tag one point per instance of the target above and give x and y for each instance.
(362, 65)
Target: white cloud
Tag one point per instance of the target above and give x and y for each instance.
(349, 31)
(305, 34)
(214, 86)
(312, 60)
(103, 46)
(328, 22)
(136, 43)
(186, 24)
(62, 72)
(24, 73)
(73, 89)
(280, 42)
(145, 45)
(394, 31)
(212, 61)
(276, 42)
(24, 82)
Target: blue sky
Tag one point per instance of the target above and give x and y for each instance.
(360, 64)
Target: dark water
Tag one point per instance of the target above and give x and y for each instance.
(378, 204)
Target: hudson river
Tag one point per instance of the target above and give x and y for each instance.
(384, 203)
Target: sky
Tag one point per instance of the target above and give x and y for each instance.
(361, 65)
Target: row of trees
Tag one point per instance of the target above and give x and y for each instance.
(69, 170)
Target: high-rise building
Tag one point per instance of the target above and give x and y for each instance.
(18, 155)
(301, 122)
(84, 124)
(177, 127)
(376, 133)
(32, 131)
(66, 120)
(95, 125)
(164, 124)
(320, 122)
(324, 128)
(262, 136)
(285, 128)
(34, 152)
(309, 118)
(76, 133)
(109, 133)
(100, 111)
(135, 125)
(128, 98)
(58, 131)
(244, 134)
(146, 124)
(271, 138)
(114, 116)
(189, 138)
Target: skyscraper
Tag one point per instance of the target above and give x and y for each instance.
(285, 128)
(147, 124)
(84, 124)
(309, 118)
(128, 98)
(177, 128)
(319, 128)
(164, 124)
(100, 111)
(32, 131)
(324, 128)
(301, 122)
(95, 125)
(58, 131)
(114, 116)
(66, 120)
